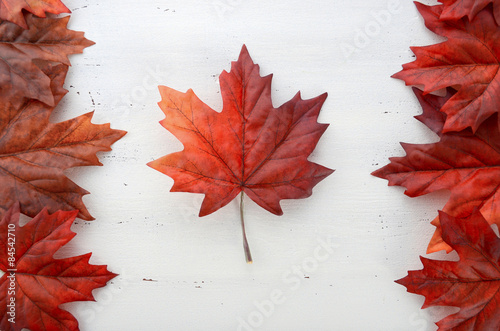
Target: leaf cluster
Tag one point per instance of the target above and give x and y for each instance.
(34, 152)
(465, 160)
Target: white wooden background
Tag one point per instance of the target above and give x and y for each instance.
(181, 272)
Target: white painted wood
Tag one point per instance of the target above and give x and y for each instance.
(181, 272)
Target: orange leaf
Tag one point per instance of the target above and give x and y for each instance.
(24, 53)
(34, 152)
(250, 146)
(12, 10)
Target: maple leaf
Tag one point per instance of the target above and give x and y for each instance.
(467, 164)
(456, 9)
(12, 10)
(472, 283)
(25, 52)
(34, 152)
(249, 147)
(468, 61)
(34, 280)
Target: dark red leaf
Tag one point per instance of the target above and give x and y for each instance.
(468, 61)
(472, 283)
(467, 164)
(34, 280)
(456, 9)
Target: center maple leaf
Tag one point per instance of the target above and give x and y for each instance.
(249, 146)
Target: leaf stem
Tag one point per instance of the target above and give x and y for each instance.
(248, 255)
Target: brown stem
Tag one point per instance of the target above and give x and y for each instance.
(248, 255)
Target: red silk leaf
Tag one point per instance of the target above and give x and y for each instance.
(467, 164)
(472, 283)
(12, 10)
(456, 9)
(468, 61)
(35, 152)
(24, 54)
(35, 283)
(249, 146)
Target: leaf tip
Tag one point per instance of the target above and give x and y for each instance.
(379, 173)
(204, 210)
(400, 281)
(245, 59)
(88, 42)
(244, 50)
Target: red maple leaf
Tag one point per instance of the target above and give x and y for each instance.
(12, 10)
(465, 163)
(472, 283)
(35, 152)
(469, 61)
(249, 147)
(456, 9)
(35, 284)
(24, 53)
